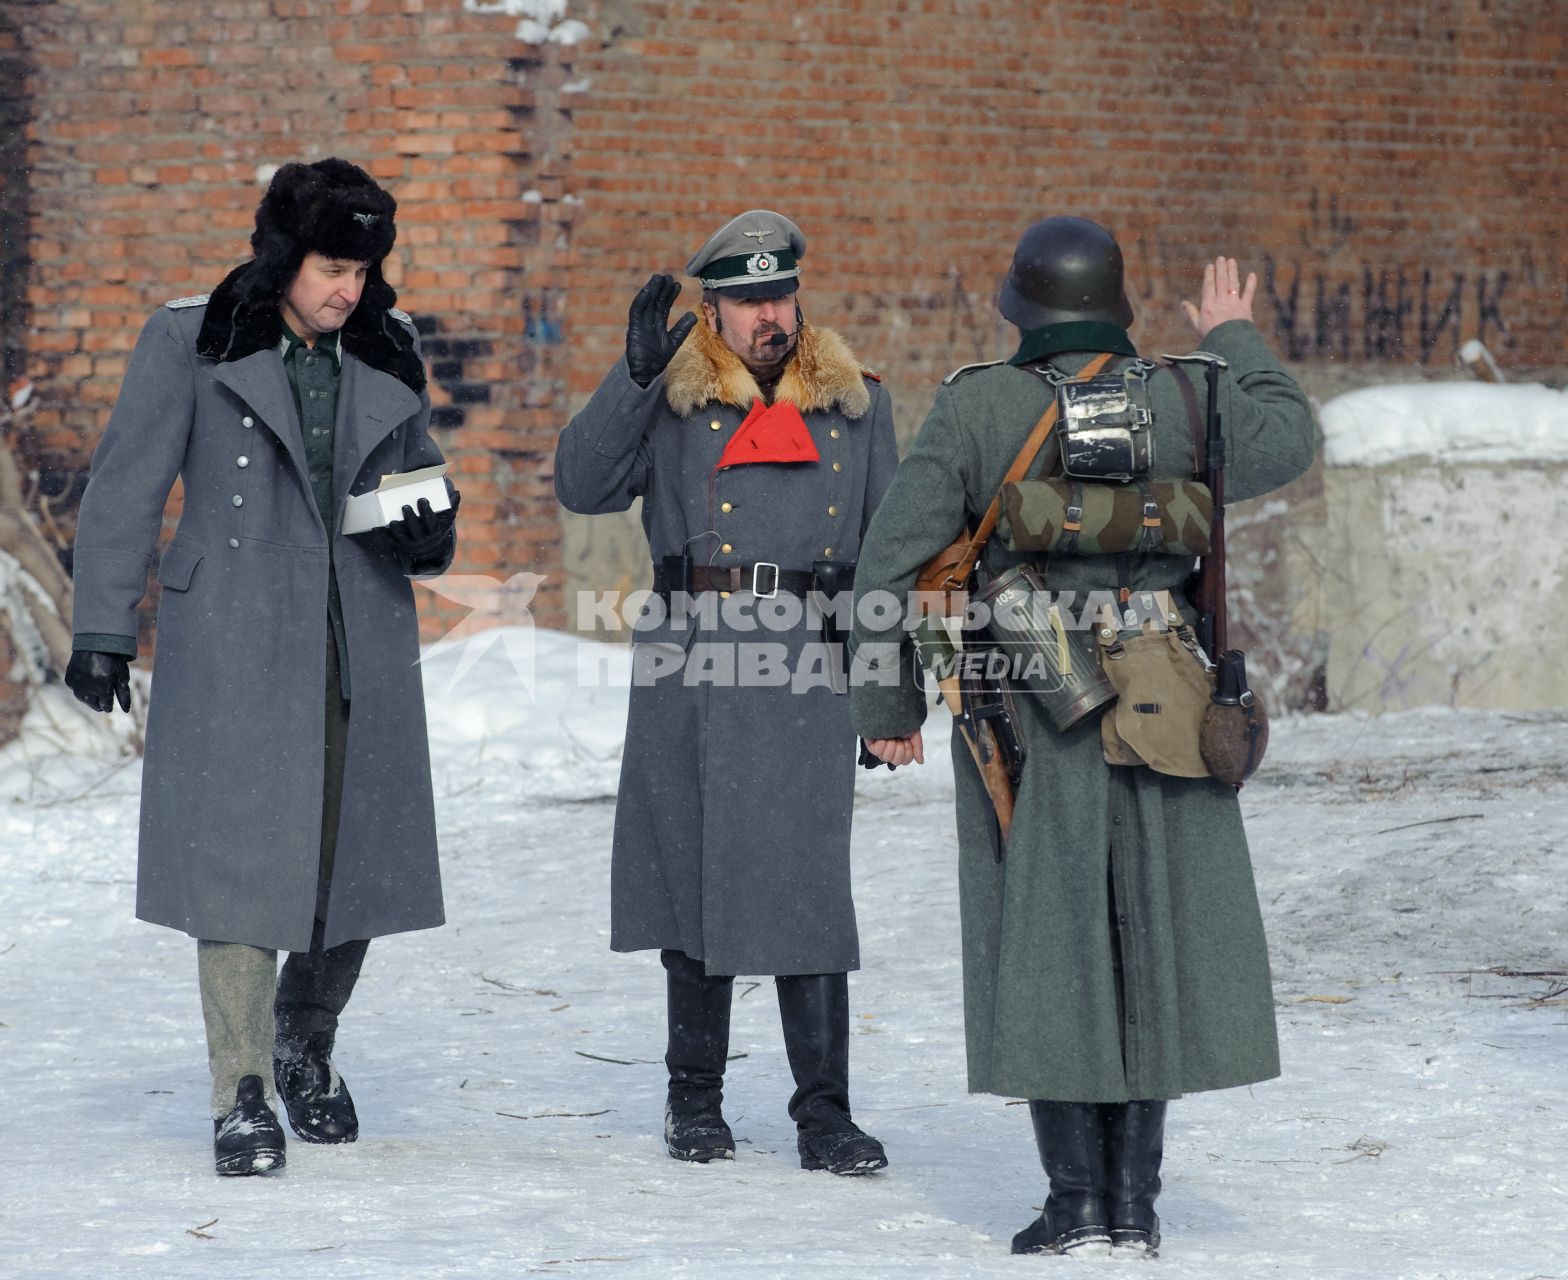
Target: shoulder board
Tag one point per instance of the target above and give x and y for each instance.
(969, 368)
(195, 300)
(872, 374)
(400, 315)
(1201, 357)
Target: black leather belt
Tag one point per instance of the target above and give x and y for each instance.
(763, 579)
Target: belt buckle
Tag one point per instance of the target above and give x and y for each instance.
(757, 591)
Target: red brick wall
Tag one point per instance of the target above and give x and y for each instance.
(1395, 173)
(1397, 179)
(154, 122)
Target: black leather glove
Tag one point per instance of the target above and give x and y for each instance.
(98, 679)
(650, 342)
(421, 537)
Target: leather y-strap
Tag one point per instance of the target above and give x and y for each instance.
(955, 573)
(1195, 420)
(1020, 468)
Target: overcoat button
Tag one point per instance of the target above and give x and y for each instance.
(394, 433)
(726, 548)
(828, 552)
(242, 461)
(832, 511)
(238, 501)
(714, 425)
(834, 433)
(247, 422)
(234, 542)
(726, 508)
(838, 466)
(1116, 821)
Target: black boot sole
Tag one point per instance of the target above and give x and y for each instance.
(267, 1161)
(854, 1167)
(700, 1155)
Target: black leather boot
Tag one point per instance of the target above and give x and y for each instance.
(814, 1009)
(1072, 1149)
(249, 1139)
(1135, 1145)
(699, 1043)
(313, 988)
(319, 1106)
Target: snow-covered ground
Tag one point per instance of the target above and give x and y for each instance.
(507, 1066)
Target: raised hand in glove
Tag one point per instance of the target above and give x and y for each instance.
(650, 342)
(99, 679)
(421, 537)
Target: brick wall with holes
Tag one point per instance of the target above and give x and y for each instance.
(1394, 173)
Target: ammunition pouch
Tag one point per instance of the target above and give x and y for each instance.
(1079, 517)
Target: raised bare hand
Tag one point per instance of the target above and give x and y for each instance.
(1223, 298)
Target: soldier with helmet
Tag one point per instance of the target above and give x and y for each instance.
(1114, 955)
(759, 447)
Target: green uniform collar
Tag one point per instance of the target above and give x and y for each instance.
(292, 342)
(1077, 335)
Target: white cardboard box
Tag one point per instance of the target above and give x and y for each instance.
(398, 489)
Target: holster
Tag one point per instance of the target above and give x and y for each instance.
(830, 580)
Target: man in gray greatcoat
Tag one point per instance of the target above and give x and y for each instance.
(759, 448)
(1114, 955)
(286, 799)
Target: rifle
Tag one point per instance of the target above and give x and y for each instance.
(1209, 598)
(1235, 731)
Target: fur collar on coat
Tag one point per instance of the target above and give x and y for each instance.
(823, 373)
(372, 333)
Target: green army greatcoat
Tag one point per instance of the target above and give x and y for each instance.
(1041, 1010)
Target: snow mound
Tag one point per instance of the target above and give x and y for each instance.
(1447, 421)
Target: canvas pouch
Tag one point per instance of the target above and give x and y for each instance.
(1163, 688)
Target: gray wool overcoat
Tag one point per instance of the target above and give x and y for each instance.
(230, 842)
(732, 820)
(1042, 1014)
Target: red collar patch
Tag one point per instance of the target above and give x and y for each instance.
(772, 433)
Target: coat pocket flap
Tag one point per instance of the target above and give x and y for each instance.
(178, 564)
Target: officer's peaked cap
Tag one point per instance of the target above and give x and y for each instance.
(756, 255)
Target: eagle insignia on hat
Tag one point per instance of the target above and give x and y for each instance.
(366, 219)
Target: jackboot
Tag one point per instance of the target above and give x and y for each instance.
(313, 988)
(1072, 1149)
(249, 1139)
(814, 1009)
(699, 1044)
(1135, 1146)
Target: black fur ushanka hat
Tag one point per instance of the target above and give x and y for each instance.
(330, 207)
